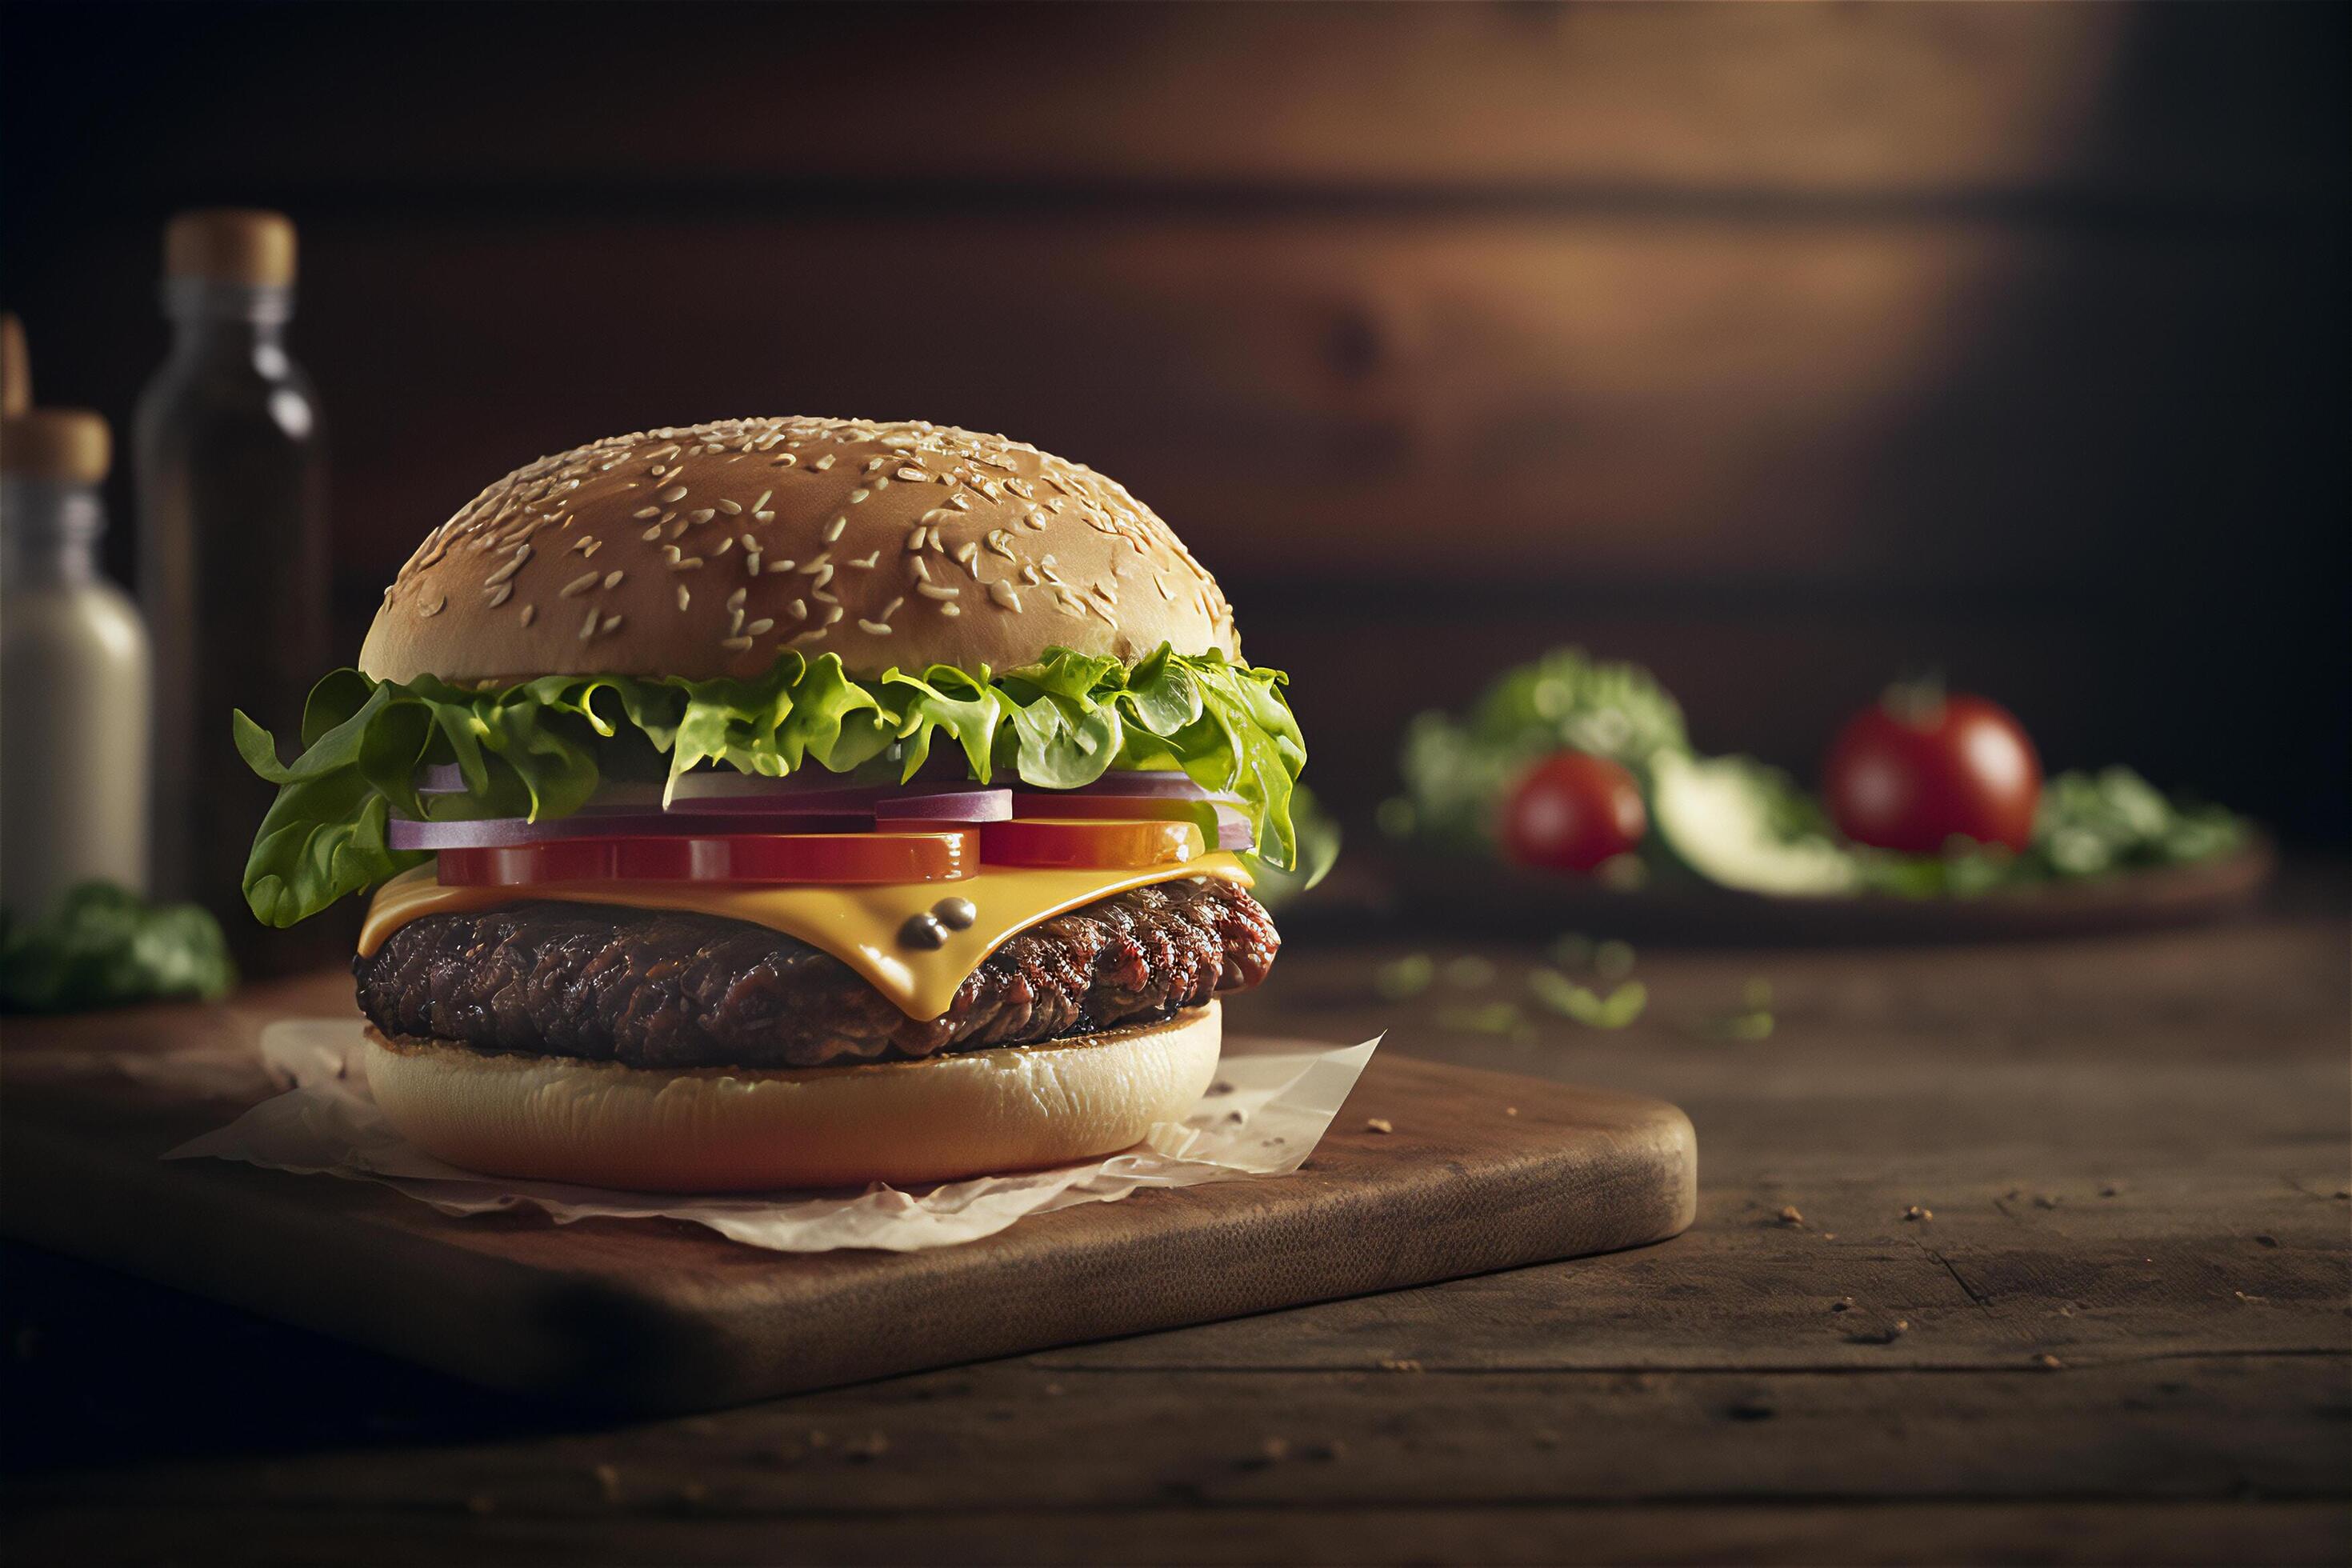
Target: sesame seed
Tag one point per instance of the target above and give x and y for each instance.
(675, 493)
(950, 611)
(644, 512)
(701, 517)
(865, 563)
(761, 502)
(763, 517)
(966, 552)
(911, 472)
(499, 594)
(688, 565)
(760, 627)
(612, 580)
(751, 561)
(915, 540)
(776, 566)
(822, 464)
(892, 607)
(1002, 593)
(580, 584)
(610, 622)
(800, 610)
(725, 545)
(529, 614)
(876, 628)
(732, 508)
(736, 644)
(735, 600)
(588, 627)
(810, 636)
(653, 532)
(683, 596)
(937, 591)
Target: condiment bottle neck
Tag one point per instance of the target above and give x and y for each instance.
(232, 321)
(48, 533)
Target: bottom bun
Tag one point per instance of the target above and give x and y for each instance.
(718, 1130)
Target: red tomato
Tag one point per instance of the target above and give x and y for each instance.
(1114, 845)
(1571, 812)
(1916, 770)
(939, 854)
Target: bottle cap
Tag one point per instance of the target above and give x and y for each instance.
(230, 245)
(68, 445)
(16, 368)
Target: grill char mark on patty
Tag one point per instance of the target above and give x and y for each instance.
(665, 989)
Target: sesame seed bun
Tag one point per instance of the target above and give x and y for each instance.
(706, 551)
(746, 1129)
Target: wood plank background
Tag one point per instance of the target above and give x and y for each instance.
(1785, 348)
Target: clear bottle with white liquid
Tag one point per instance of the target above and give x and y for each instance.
(75, 684)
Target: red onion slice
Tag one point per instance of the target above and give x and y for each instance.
(1161, 783)
(830, 811)
(506, 832)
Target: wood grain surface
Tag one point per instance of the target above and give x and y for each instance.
(2116, 1331)
(1475, 1172)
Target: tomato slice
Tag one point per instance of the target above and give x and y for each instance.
(941, 855)
(1121, 845)
(1222, 825)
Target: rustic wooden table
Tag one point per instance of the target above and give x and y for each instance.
(2003, 1253)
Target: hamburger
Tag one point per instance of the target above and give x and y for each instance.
(789, 802)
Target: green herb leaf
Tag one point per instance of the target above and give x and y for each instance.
(101, 945)
(1564, 996)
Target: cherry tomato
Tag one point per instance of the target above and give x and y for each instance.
(1110, 846)
(939, 855)
(1918, 768)
(1572, 811)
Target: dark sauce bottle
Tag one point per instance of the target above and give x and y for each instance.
(233, 556)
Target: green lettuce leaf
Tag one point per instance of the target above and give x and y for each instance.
(540, 749)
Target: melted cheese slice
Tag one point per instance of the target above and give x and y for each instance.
(858, 925)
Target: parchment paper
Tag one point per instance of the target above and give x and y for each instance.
(1262, 1117)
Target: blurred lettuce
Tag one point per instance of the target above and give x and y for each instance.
(101, 945)
(1760, 829)
(540, 749)
(1456, 770)
(2088, 825)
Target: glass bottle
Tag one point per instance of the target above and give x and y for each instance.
(233, 550)
(74, 679)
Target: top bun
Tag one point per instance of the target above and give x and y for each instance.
(707, 550)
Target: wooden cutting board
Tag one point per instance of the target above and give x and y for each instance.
(1482, 1170)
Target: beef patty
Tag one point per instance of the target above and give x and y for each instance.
(661, 989)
